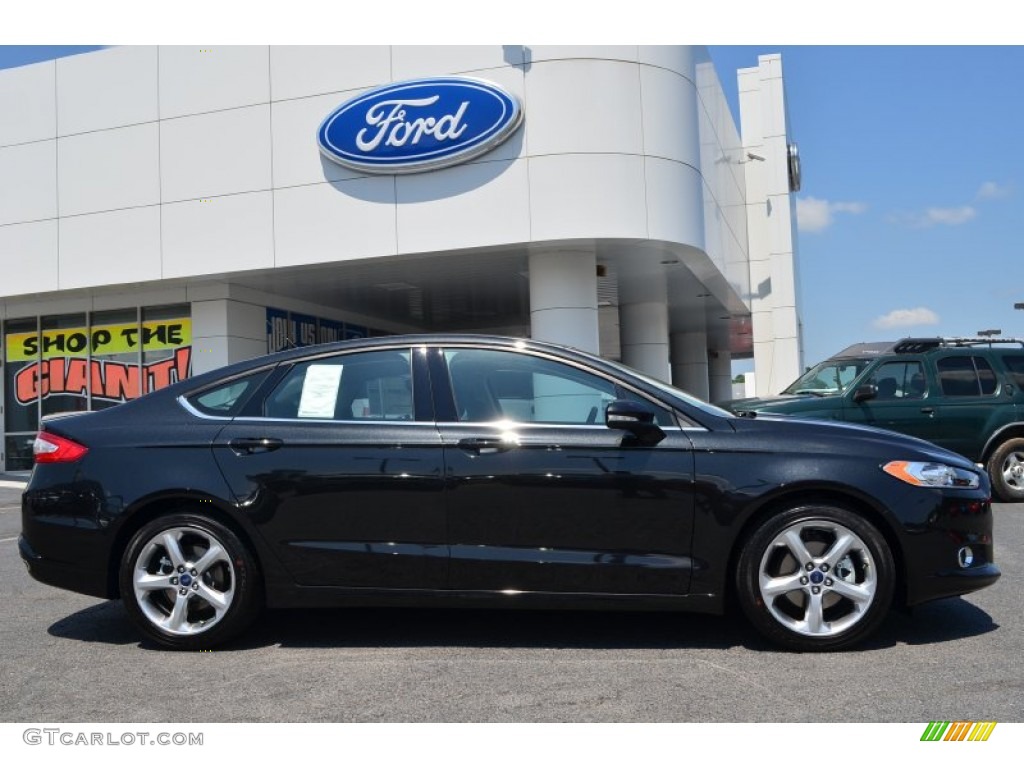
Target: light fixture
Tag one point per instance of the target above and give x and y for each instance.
(990, 332)
(1019, 305)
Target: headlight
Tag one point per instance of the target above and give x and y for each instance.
(931, 474)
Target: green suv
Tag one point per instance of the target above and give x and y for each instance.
(966, 395)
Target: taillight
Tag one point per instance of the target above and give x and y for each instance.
(49, 448)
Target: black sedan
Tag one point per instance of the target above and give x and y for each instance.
(478, 471)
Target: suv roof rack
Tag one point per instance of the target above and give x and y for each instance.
(910, 345)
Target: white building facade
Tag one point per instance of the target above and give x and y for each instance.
(168, 210)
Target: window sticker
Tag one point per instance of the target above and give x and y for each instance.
(320, 392)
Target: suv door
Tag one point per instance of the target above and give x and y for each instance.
(905, 399)
(542, 496)
(340, 467)
(974, 402)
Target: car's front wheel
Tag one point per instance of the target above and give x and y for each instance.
(1006, 470)
(188, 582)
(815, 578)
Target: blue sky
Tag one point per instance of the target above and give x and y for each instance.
(913, 186)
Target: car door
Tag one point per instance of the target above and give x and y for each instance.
(904, 401)
(542, 496)
(340, 467)
(974, 402)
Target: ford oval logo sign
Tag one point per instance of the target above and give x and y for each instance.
(419, 125)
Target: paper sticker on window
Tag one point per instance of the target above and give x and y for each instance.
(320, 392)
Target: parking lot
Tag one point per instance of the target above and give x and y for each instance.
(71, 658)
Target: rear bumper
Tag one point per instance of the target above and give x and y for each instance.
(61, 574)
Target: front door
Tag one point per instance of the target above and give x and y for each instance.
(542, 496)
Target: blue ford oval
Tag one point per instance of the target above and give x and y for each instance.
(419, 125)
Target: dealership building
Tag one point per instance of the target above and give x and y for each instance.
(168, 210)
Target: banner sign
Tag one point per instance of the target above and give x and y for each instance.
(61, 365)
(101, 340)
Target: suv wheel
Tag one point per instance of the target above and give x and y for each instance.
(1006, 470)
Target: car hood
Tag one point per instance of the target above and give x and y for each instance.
(762, 403)
(831, 437)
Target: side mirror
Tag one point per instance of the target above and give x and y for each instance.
(865, 392)
(638, 419)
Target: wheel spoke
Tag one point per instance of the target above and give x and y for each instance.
(153, 581)
(814, 617)
(170, 543)
(178, 620)
(773, 587)
(213, 554)
(796, 546)
(858, 593)
(838, 550)
(220, 601)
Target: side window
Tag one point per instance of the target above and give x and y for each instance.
(227, 399)
(493, 385)
(966, 376)
(1015, 365)
(374, 386)
(899, 380)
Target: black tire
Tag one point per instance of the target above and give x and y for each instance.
(1006, 470)
(189, 583)
(854, 586)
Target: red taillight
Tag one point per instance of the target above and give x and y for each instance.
(49, 448)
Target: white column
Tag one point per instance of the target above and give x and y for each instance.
(643, 331)
(690, 362)
(563, 298)
(720, 375)
(226, 331)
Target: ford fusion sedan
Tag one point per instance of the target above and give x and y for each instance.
(485, 471)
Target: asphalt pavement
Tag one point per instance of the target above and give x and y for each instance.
(70, 658)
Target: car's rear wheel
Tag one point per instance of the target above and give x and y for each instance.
(1006, 470)
(188, 582)
(815, 578)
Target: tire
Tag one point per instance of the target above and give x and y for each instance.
(189, 583)
(815, 578)
(1006, 470)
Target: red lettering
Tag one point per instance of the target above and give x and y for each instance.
(120, 381)
(158, 375)
(77, 377)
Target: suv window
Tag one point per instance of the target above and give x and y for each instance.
(353, 387)
(1015, 365)
(899, 380)
(964, 376)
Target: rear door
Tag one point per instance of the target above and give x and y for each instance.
(974, 402)
(340, 468)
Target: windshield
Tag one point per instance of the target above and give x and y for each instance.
(832, 377)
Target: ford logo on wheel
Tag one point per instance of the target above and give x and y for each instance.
(419, 125)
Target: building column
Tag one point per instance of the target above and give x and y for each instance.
(225, 331)
(563, 298)
(643, 333)
(690, 362)
(719, 375)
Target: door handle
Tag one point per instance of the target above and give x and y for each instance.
(246, 446)
(485, 445)
(930, 411)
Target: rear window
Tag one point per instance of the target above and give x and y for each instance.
(964, 376)
(227, 399)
